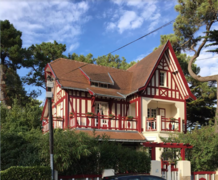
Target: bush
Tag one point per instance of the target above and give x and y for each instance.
(26, 173)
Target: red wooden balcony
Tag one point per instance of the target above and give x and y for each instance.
(103, 122)
(164, 124)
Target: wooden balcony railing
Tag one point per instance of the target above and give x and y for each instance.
(167, 124)
(163, 124)
(151, 124)
(103, 122)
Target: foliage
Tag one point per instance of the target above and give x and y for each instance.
(20, 131)
(204, 154)
(114, 61)
(21, 119)
(213, 39)
(11, 45)
(36, 57)
(192, 16)
(26, 173)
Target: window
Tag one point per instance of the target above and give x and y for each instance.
(99, 85)
(152, 113)
(162, 78)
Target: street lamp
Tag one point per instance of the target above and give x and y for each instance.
(49, 95)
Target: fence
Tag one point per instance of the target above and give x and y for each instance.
(203, 175)
(169, 171)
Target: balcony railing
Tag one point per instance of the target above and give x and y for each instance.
(57, 123)
(163, 124)
(103, 122)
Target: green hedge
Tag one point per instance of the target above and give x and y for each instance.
(26, 173)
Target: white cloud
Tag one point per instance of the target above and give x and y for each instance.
(140, 57)
(46, 20)
(73, 47)
(141, 12)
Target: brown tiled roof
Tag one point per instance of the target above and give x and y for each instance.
(125, 81)
(131, 136)
(142, 70)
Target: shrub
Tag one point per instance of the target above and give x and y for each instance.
(26, 173)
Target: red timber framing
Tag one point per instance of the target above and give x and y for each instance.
(153, 145)
(83, 102)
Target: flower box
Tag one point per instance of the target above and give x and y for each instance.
(111, 116)
(71, 114)
(129, 118)
(90, 114)
(150, 119)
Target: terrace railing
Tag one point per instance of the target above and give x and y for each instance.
(103, 122)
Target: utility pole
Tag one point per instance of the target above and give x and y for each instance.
(49, 95)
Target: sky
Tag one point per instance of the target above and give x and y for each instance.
(97, 27)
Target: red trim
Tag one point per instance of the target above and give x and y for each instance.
(86, 76)
(180, 70)
(204, 172)
(44, 109)
(66, 122)
(91, 92)
(167, 145)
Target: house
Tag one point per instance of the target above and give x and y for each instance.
(154, 92)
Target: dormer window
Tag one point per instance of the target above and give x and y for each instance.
(163, 78)
(95, 84)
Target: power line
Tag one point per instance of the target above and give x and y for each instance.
(141, 37)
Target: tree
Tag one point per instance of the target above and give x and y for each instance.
(114, 61)
(11, 60)
(36, 57)
(213, 38)
(202, 109)
(192, 16)
(204, 154)
(11, 45)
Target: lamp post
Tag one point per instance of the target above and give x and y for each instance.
(49, 95)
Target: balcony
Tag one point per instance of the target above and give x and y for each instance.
(94, 122)
(161, 124)
(103, 122)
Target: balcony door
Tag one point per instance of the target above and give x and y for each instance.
(102, 108)
(162, 112)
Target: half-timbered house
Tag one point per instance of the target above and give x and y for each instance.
(154, 92)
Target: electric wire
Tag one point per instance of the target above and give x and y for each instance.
(141, 37)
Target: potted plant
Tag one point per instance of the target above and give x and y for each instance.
(59, 118)
(90, 114)
(172, 119)
(71, 114)
(111, 116)
(150, 118)
(129, 118)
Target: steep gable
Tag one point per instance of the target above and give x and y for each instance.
(167, 80)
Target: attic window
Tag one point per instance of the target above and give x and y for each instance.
(162, 78)
(99, 85)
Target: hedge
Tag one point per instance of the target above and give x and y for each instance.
(26, 173)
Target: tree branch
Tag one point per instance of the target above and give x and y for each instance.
(199, 78)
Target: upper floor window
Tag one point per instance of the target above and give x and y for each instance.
(162, 78)
(96, 84)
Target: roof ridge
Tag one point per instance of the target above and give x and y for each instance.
(88, 64)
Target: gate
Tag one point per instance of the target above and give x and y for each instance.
(169, 171)
(203, 175)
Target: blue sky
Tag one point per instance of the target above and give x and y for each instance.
(96, 26)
